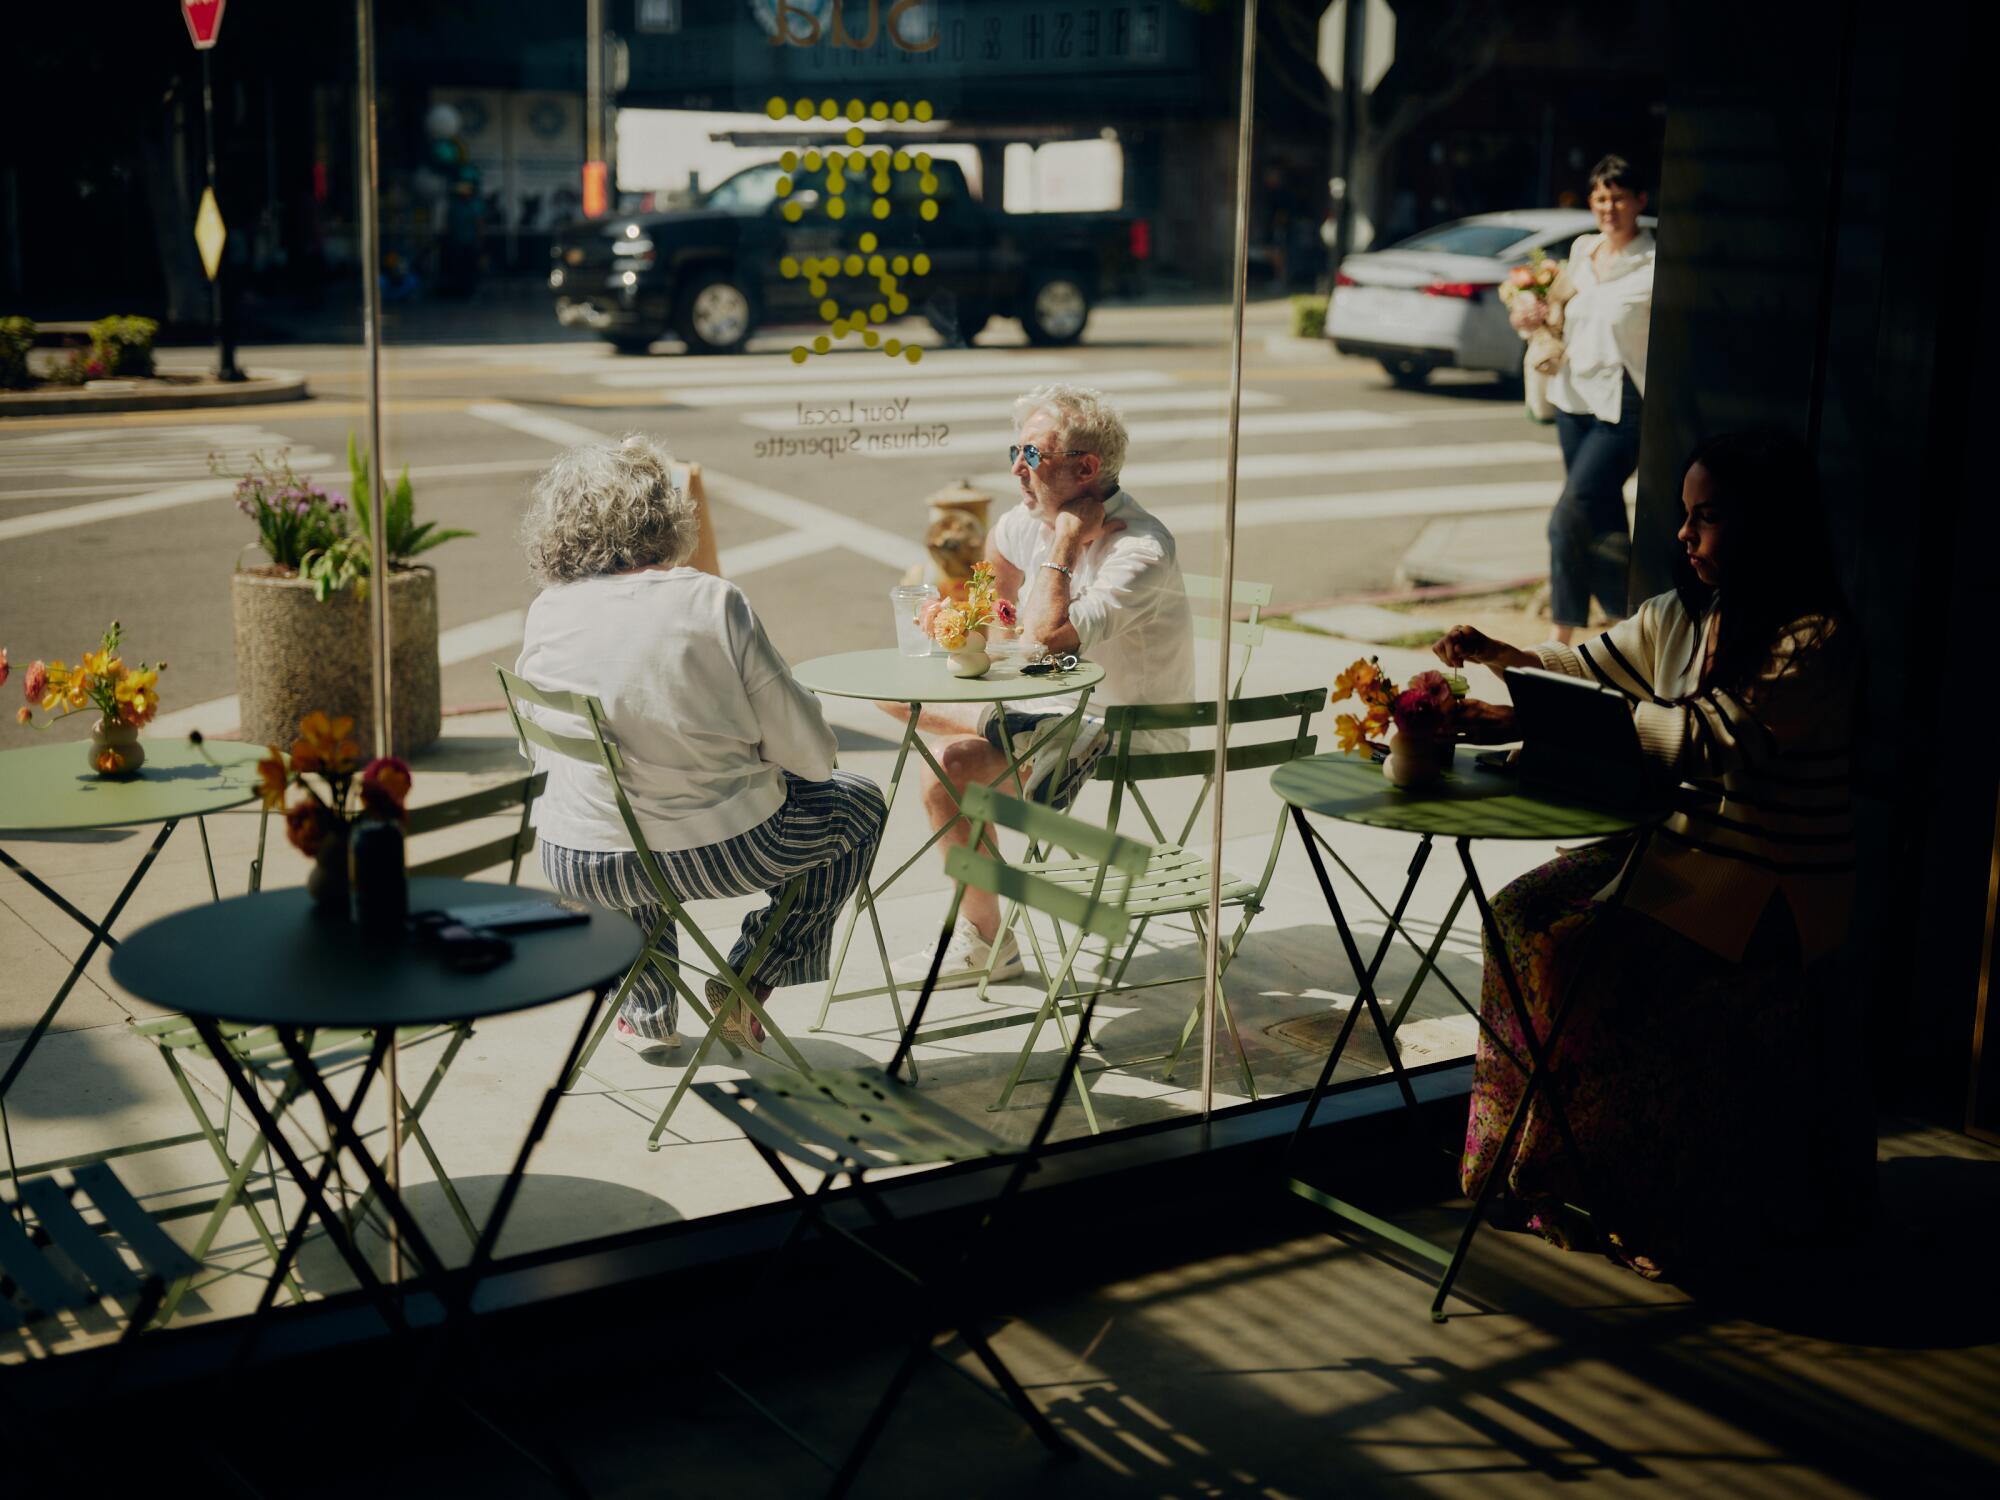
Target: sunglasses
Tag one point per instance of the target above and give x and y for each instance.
(1034, 455)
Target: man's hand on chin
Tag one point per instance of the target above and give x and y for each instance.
(1084, 520)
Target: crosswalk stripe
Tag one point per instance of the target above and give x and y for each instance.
(1182, 473)
(917, 383)
(537, 424)
(1437, 500)
(1207, 428)
(823, 368)
(922, 408)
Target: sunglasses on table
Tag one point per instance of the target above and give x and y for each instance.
(1018, 451)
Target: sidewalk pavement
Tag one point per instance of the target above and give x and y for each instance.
(94, 1085)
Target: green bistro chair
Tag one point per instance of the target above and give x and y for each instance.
(55, 1261)
(258, 1051)
(599, 749)
(1177, 878)
(849, 1122)
(1246, 634)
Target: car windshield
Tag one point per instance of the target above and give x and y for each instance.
(1467, 238)
(748, 192)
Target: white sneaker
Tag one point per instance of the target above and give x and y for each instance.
(964, 963)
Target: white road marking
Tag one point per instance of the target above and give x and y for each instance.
(923, 409)
(537, 424)
(779, 370)
(1182, 473)
(823, 527)
(915, 383)
(1206, 428)
(151, 454)
(1440, 500)
(768, 552)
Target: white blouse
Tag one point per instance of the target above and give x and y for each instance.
(1606, 327)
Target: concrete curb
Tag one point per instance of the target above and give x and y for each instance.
(279, 385)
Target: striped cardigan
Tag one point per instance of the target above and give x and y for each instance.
(1767, 805)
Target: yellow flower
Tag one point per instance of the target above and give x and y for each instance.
(1377, 721)
(1359, 678)
(271, 780)
(323, 745)
(948, 627)
(1347, 737)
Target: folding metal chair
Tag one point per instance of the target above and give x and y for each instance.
(55, 1261)
(847, 1123)
(259, 1051)
(1177, 878)
(1245, 635)
(599, 749)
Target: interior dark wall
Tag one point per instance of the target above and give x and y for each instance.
(1819, 186)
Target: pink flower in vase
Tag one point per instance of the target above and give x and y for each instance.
(1423, 710)
(1003, 611)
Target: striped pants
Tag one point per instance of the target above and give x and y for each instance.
(826, 831)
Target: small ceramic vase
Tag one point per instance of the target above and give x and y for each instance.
(326, 881)
(1415, 762)
(970, 659)
(115, 749)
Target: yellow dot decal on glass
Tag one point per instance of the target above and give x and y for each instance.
(836, 208)
(789, 161)
(878, 110)
(868, 241)
(923, 160)
(852, 265)
(892, 346)
(858, 318)
(881, 183)
(835, 160)
(840, 328)
(788, 268)
(828, 110)
(913, 354)
(803, 109)
(899, 304)
(881, 208)
(923, 109)
(921, 265)
(855, 136)
(822, 344)
(784, 188)
(835, 183)
(887, 283)
(928, 183)
(901, 111)
(902, 161)
(871, 338)
(855, 109)
(776, 109)
(901, 265)
(800, 353)
(878, 312)
(793, 212)
(876, 265)
(927, 210)
(880, 161)
(829, 309)
(816, 287)
(812, 161)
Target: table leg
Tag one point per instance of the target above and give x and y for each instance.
(100, 935)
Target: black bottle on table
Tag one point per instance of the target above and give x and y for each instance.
(375, 875)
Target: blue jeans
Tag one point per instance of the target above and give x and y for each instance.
(1590, 544)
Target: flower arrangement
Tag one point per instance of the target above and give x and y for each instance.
(1533, 277)
(295, 517)
(951, 623)
(1425, 708)
(120, 694)
(347, 789)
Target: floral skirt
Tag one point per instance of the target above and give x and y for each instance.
(1698, 1090)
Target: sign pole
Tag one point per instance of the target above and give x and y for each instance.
(225, 341)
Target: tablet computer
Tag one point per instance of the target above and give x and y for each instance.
(520, 913)
(1578, 738)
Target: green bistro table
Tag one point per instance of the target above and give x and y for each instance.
(274, 959)
(48, 789)
(887, 676)
(1467, 804)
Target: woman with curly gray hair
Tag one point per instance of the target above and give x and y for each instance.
(728, 761)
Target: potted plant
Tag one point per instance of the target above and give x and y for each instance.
(960, 626)
(300, 620)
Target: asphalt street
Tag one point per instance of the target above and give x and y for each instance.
(816, 473)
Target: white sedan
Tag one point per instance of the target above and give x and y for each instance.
(1433, 301)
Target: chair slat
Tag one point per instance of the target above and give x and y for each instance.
(569, 746)
(1242, 591)
(101, 1265)
(1046, 826)
(554, 700)
(480, 804)
(135, 1226)
(1072, 907)
(1167, 764)
(39, 1279)
(1244, 633)
(480, 857)
(1143, 716)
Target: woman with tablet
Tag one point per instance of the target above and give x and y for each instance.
(1689, 1065)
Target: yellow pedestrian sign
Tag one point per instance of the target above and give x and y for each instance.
(209, 233)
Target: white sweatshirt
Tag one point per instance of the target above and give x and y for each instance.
(701, 706)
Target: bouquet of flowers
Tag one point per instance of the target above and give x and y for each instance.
(1424, 708)
(953, 624)
(102, 681)
(347, 789)
(1533, 277)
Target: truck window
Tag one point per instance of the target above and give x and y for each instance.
(750, 191)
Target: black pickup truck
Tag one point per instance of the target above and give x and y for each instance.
(736, 261)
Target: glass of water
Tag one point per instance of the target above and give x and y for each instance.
(908, 600)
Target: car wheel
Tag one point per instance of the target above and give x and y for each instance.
(961, 324)
(1408, 372)
(716, 316)
(1057, 309)
(634, 343)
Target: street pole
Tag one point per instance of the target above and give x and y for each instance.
(1353, 63)
(225, 339)
(593, 91)
(378, 561)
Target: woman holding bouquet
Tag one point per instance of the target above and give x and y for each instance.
(1689, 1064)
(1601, 309)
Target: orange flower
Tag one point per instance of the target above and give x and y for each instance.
(271, 780)
(109, 761)
(1364, 677)
(307, 825)
(24, 715)
(323, 745)
(1347, 736)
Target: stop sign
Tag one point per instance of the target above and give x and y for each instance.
(204, 21)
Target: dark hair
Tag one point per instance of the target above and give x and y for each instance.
(1781, 572)
(1616, 171)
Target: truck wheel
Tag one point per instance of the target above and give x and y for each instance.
(961, 324)
(1057, 308)
(1408, 373)
(716, 316)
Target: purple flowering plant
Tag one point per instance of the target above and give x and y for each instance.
(295, 517)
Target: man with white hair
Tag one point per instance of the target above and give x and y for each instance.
(1092, 574)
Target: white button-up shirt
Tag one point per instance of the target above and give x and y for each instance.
(1606, 327)
(1127, 604)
